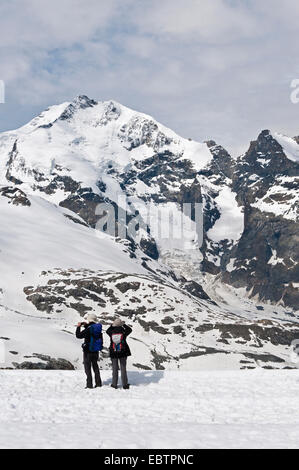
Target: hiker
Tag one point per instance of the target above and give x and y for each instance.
(93, 343)
(119, 351)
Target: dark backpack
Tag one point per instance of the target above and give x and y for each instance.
(96, 338)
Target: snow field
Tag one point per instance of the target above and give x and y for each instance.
(219, 409)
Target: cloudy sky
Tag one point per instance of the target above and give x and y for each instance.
(218, 69)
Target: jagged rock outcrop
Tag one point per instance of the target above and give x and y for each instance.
(266, 258)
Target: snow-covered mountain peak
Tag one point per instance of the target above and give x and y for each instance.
(79, 103)
(69, 110)
(270, 154)
(83, 101)
(84, 137)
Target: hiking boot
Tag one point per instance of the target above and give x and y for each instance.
(98, 385)
(126, 387)
(114, 386)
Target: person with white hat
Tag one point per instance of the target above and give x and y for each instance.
(93, 343)
(119, 351)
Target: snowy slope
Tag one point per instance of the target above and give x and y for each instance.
(40, 237)
(252, 409)
(289, 145)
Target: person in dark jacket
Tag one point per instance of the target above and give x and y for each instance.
(119, 351)
(90, 359)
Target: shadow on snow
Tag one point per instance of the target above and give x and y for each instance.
(141, 378)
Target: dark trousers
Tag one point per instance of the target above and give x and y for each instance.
(90, 359)
(122, 361)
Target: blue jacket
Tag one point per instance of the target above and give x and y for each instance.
(85, 334)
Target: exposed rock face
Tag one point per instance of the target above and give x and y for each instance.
(48, 363)
(15, 196)
(256, 332)
(128, 295)
(195, 289)
(84, 203)
(266, 259)
(222, 163)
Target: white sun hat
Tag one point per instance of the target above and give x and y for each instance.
(91, 317)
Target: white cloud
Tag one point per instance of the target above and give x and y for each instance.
(211, 21)
(57, 23)
(210, 69)
(141, 46)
